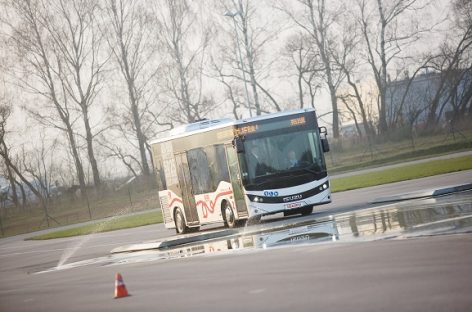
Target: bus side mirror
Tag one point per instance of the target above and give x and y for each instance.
(238, 145)
(325, 145)
(324, 140)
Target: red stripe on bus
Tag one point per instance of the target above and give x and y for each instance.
(212, 203)
(173, 201)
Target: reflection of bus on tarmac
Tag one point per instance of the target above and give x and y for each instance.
(231, 170)
(318, 232)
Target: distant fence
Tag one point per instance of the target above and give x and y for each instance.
(71, 207)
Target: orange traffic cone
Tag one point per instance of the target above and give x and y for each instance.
(120, 288)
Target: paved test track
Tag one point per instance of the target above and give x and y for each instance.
(421, 274)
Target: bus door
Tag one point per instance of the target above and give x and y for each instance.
(185, 182)
(235, 175)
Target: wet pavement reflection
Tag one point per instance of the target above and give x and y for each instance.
(450, 214)
(435, 216)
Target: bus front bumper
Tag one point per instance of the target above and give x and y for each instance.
(260, 208)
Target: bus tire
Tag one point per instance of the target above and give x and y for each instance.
(179, 220)
(228, 215)
(194, 229)
(306, 211)
(254, 220)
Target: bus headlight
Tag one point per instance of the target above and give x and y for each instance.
(323, 187)
(258, 199)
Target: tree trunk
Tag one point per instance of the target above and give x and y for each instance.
(77, 162)
(334, 104)
(11, 178)
(24, 200)
(319, 34)
(47, 76)
(383, 127)
(91, 154)
(250, 60)
(300, 89)
(130, 79)
(31, 186)
(368, 130)
(141, 139)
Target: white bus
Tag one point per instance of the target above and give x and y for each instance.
(233, 170)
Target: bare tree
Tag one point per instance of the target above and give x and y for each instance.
(244, 57)
(386, 32)
(131, 39)
(307, 64)
(183, 71)
(38, 162)
(226, 69)
(232, 92)
(130, 162)
(244, 13)
(319, 22)
(454, 65)
(353, 98)
(5, 112)
(44, 72)
(13, 182)
(77, 42)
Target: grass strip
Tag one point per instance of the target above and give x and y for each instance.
(409, 172)
(111, 224)
(407, 156)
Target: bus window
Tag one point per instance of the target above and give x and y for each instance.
(160, 175)
(217, 163)
(223, 174)
(199, 171)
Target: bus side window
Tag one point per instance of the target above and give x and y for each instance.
(217, 163)
(221, 162)
(199, 171)
(160, 175)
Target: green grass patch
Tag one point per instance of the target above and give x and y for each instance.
(111, 224)
(403, 156)
(409, 172)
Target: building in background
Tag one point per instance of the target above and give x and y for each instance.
(410, 100)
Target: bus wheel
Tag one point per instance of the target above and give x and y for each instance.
(194, 229)
(179, 219)
(254, 220)
(306, 211)
(228, 215)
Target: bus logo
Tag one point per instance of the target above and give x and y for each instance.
(271, 193)
(292, 198)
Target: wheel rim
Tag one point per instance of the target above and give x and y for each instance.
(229, 215)
(179, 222)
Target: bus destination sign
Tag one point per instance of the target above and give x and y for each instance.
(246, 129)
(272, 125)
(298, 121)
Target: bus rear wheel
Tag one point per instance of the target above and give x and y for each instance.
(179, 220)
(228, 215)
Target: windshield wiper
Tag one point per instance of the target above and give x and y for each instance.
(278, 175)
(251, 185)
(311, 168)
(311, 171)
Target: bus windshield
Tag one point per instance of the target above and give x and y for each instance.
(273, 158)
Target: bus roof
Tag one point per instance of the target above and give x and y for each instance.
(274, 115)
(209, 125)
